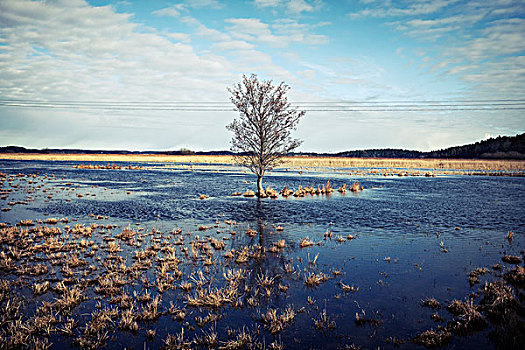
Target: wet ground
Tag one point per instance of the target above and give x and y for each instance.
(142, 251)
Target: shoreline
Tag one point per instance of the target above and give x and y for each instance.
(295, 161)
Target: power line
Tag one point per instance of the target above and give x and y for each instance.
(317, 106)
(228, 102)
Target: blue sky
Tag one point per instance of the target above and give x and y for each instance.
(362, 51)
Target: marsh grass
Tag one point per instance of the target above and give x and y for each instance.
(323, 321)
(276, 322)
(297, 161)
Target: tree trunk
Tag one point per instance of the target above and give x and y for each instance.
(260, 189)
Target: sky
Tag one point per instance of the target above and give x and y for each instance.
(367, 52)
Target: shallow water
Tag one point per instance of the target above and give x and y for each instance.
(402, 225)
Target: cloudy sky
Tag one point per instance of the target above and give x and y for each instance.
(57, 55)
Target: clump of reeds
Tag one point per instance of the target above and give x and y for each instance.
(213, 297)
(313, 280)
(128, 321)
(249, 193)
(498, 299)
(126, 234)
(40, 288)
(467, 319)
(356, 187)
(150, 311)
(71, 297)
(286, 192)
(305, 242)
(348, 288)
(271, 193)
(241, 339)
(150, 333)
(361, 319)
(473, 277)
(511, 259)
(176, 342)
(324, 321)
(176, 313)
(26, 223)
(275, 322)
(516, 277)
(433, 339)
(280, 243)
(431, 303)
(208, 339)
(457, 308)
(215, 243)
(242, 256)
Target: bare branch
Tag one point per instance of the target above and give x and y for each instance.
(262, 133)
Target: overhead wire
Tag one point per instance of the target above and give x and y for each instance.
(317, 106)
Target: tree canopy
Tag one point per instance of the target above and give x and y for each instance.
(262, 133)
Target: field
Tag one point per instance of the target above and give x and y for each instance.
(154, 252)
(469, 166)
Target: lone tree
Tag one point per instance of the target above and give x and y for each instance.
(261, 134)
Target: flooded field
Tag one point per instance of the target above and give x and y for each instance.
(133, 257)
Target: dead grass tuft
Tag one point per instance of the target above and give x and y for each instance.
(431, 303)
(305, 242)
(433, 339)
(275, 322)
(324, 321)
(511, 259)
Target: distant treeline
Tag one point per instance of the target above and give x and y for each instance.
(19, 149)
(501, 147)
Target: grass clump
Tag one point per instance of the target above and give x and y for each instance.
(433, 339)
(275, 322)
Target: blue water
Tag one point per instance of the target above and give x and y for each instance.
(402, 226)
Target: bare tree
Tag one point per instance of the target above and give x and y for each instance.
(261, 134)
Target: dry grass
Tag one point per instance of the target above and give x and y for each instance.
(431, 303)
(129, 268)
(275, 322)
(298, 161)
(433, 339)
(324, 321)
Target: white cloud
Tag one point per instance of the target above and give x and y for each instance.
(84, 52)
(198, 4)
(176, 9)
(252, 29)
(477, 42)
(267, 3)
(233, 45)
(317, 39)
(412, 8)
(171, 11)
(282, 33)
(80, 52)
(204, 31)
(295, 7)
(210, 33)
(183, 37)
(298, 6)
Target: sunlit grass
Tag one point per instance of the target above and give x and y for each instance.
(296, 161)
